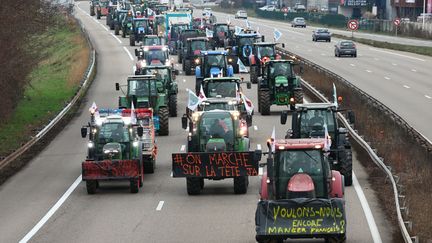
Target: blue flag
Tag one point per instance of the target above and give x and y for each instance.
(277, 34)
(238, 30)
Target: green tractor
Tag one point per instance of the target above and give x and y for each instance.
(168, 75)
(148, 91)
(279, 86)
(312, 120)
(262, 52)
(213, 136)
(126, 24)
(118, 17)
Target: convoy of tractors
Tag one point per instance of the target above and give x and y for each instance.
(304, 174)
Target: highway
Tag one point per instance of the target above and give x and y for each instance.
(162, 211)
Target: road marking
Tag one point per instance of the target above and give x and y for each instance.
(134, 68)
(394, 64)
(427, 96)
(323, 54)
(182, 148)
(103, 26)
(397, 54)
(184, 80)
(406, 86)
(413, 70)
(387, 78)
(352, 65)
(260, 171)
(337, 59)
(367, 211)
(369, 71)
(255, 128)
(115, 37)
(160, 205)
(51, 212)
(129, 54)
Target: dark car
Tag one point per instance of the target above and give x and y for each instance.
(321, 34)
(345, 47)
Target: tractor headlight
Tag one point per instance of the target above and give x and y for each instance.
(277, 85)
(285, 84)
(90, 144)
(135, 143)
(197, 61)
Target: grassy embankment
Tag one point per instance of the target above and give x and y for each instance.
(53, 83)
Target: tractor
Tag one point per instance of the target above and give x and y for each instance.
(191, 51)
(212, 64)
(262, 52)
(219, 150)
(110, 18)
(152, 56)
(147, 91)
(114, 150)
(119, 16)
(221, 32)
(93, 4)
(279, 86)
(174, 35)
(126, 24)
(101, 8)
(140, 28)
(168, 75)
(183, 37)
(312, 121)
(300, 196)
(243, 45)
(153, 40)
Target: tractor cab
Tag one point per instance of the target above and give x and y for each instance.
(221, 32)
(161, 8)
(140, 28)
(152, 56)
(153, 40)
(191, 51)
(243, 45)
(212, 64)
(223, 87)
(262, 53)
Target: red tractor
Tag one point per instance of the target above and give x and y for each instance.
(300, 196)
(102, 9)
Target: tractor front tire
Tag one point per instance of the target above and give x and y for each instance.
(132, 40)
(241, 184)
(98, 15)
(193, 185)
(163, 121)
(254, 74)
(91, 186)
(172, 103)
(336, 239)
(346, 166)
(123, 33)
(264, 102)
(180, 59)
(188, 67)
(134, 185)
(116, 29)
(149, 166)
(92, 12)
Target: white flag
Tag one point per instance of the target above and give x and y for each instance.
(209, 33)
(277, 34)
(273, 139)
(150, 12)
(248, 104)
(335, 100)
(242, 67)
(229, 21)
(238, 30)
(248, 25)
(193, 100)
(327, 141)
(133, 115)
(237, 94)
(94, 110)
(202, 97)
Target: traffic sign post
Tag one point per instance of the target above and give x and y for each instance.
(285, 10)
(353, 25)
(396, 22)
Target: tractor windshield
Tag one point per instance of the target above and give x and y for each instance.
(161, 74)
(152, 41)
(246, 41)
(142, 88)
(280, 69)
(221, 28)
(312, 123)
(216, 61)
(218, 106)
(176, 29)
(141, 23)
(113, 132)
(156, 56)
(291, 162)
(266, 51)
(198, 46)
(217, 126)
(224, 89)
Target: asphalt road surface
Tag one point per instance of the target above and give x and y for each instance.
(162, 211)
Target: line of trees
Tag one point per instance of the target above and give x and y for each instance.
(22, 22)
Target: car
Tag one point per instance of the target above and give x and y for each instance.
(268, 8)
(299, 21)
(321, 34)
(345, 47)
(207, 12)
(241, 14)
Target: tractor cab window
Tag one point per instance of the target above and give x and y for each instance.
(113, 132)
(198, 45)
(266, 51)
(218, 106)
(224, 89)
(217, 126)
(221, 28)
(103, 3)
(313, 121)
(216, 61)
(280, 69)
(291, 162)
(155, 55)
(161, 74)
(142, 88)
(176, 29)
(151, 41)
(141, 23)
(246, 41)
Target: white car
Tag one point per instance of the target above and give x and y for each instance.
(207, 12)
(268, 8)
(241, 14)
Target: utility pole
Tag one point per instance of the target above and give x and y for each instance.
(424, 14)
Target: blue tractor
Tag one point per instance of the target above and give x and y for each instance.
(242, 46)
(212, 64)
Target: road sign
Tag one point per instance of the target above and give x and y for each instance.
(285, 10)
(397, 21)
(353, 24)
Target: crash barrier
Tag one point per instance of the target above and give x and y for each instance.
(368, 106)
(84, 84)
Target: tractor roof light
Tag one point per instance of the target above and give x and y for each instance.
(146, 49)
(340, 99)
(292, 100)
(281, 147)
(195, 116)
(197, 61)
(135, 143)
(318, 146)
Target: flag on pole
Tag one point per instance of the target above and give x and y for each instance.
(273, 139)
(248, 104)
(150, 12)
(209, 33)
(202, 97)
(248, 25)
(229, 21)
(193, 100)
(133, 114)
(335, 101)
(327, 141)
(94, 110)
(242, 67)
(237, 94)
(277, 34)
(238, 30)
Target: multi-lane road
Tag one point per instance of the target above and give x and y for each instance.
(46, 202)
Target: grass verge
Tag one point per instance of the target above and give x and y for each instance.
(53, 83)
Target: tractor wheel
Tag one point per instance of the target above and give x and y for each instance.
(163, 121)
(149, 167)
(264, 102)
(346, 166)
(112, 25)
(92, 12)
(91, 186)
(202, 183)
(183, 66)
(180, 59)
(123, 33)
(188, 67)
(172, 103)
(298, 96)
(108, 19)
(241, 184)
(134, 185)
(193, 185)
(116, 29)
(336, 239)
(254, 74)
(132, 40)
(98, 15)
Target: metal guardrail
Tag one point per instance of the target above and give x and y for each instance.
(83, 86)
(359, 139)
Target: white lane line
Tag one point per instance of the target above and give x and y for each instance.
(394, 64)
(260, 171)
(103, 26)
(397, 54)
(337, 59)
(428, 97)
(115, 37)
(352, 65)
(376, 59)
(369, 71)
(160, 205)
(255, 128)
(323, 54)
(182, 148)
(387, 78)
(406, 86)
(134, 68)
(184, 80)
(129, 54)
(51, 212)
(413, 70)
(367, 211)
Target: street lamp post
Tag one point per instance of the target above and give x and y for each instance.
(424, 14)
